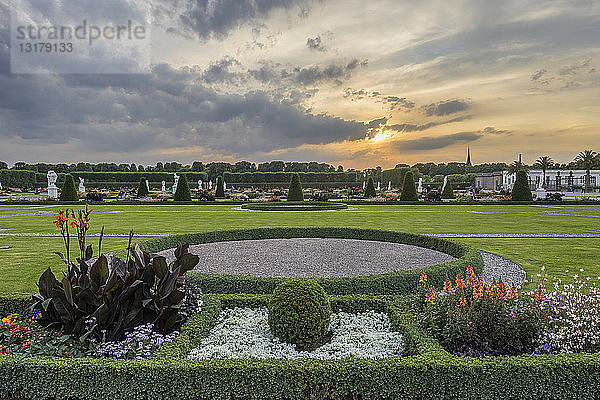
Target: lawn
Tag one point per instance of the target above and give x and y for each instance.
(21, 265)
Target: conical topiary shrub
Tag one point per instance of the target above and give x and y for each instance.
(295, 192)
(370, 190)
(448, 193)
(142, 189)
(68, 191)
(409, 191)
(521, 191)
(183, 190)
(220, 192)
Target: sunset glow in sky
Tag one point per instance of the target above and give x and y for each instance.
(340, 81)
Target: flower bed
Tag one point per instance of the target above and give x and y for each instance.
(244, 333)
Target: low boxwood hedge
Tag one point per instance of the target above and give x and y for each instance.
(397, 282)
(295, 206)
(427, 373)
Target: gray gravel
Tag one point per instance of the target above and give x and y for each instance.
(310, 257)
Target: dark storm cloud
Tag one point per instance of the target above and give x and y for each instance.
(392, 102)
(316, 44)
(396, 102)
(216, 18)
(445, 107)
(434, 143)
(219, 71)
(335, 72)
(168, 108)
(423, 127)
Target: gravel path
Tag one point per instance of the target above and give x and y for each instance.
(308, 257)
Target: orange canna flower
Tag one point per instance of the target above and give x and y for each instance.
(423, 278)
(447, 286)
(430, 297)
(462, 301)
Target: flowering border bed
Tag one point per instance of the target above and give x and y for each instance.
(429, 372)
(295, 206)
(397, 282)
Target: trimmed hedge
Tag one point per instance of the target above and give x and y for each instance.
(521, 191)
(182, 193)
(238, 178)
(370, 189)
(397, 282)
(142, 189)
(295, 206)
(428, 372)
(295, 189)
(122, 177)
(18, 179)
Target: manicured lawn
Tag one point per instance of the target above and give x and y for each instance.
(21, 265)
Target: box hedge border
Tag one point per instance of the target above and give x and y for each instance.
(295, 206)
(392, 283)
(430, 373)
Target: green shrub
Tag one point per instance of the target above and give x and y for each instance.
(472, 318)
(142, 188)
(220, 192)
(409, 191)
(370, 189)
(299, 313)
(295, 191)
(182, 193)
(295, 206)
(68, 191)
(448, 193)
(521, 191)
(10, 178)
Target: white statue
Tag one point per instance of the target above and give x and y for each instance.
(389, 185)
(420, 188)
(147, 185)
(224, 185)
(163, 188)
(176, 177)
(378, 185)
(0, 186)
(445, 183)
(364, 185)
(81, 188)
(52, 189)
(209, 185)
(200, 184)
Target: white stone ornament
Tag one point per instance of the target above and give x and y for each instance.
(52, 189)
(176, 177)
(81, 188)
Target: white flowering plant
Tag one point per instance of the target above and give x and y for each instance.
(572, 312)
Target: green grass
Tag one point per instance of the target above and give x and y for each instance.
(21, 265)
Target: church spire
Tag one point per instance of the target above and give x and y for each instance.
(468, 157)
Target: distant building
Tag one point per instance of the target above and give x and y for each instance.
(489, 180)
(556, 180)
(468, 163)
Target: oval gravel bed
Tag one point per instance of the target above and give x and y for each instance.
(310, 257)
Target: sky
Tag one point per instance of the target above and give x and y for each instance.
(349, 82)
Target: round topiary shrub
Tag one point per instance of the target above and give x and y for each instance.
(68, 192)
(299, 313)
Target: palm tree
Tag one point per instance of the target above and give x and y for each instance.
(544, 163)
(587, 158)
(516, 166)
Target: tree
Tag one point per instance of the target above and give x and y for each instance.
(448, 193)
(295, 191)
(409, 191)
(544, 163)
(521, 191)
(182, 193)
(220, 192)
(3, 165)
(142, 188)
(587, 158)
(340, 168)
(517, 166)
(370, 190)
(68, 191)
